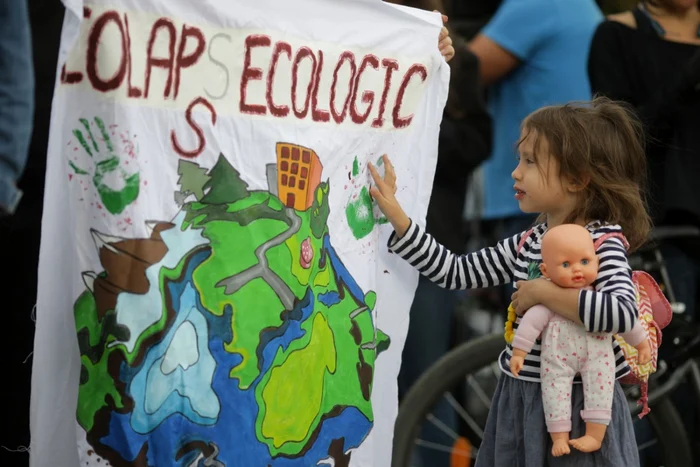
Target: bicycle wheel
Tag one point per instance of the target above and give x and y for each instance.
(469, 362)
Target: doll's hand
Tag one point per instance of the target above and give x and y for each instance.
(445, 41)
(516, 364)
(385, 196)
(644, 352)
(528, 294)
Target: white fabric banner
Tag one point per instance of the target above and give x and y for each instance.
(214, 283)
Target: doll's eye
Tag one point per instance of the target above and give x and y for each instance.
(565, 264)
(584, 262)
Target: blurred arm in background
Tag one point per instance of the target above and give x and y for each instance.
(496, 62)
(16, 99)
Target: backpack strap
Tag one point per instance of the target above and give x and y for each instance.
(609, 235)
(523, 239)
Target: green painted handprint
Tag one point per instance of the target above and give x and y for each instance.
(116, 188)
(359, 211)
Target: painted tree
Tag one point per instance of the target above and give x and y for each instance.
(192, 180)
(225, 184)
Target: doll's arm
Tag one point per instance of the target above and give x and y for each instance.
(531, 326)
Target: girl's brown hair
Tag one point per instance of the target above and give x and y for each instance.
(599, 145)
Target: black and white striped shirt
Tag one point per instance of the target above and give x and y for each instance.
(610, 307)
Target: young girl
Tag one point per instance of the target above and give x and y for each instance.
(581, 164)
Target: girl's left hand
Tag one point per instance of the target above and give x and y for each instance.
(528, 294)
(445, 42)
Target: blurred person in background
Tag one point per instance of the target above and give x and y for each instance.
(20, 233)
(16, 110)
(464, 142)
(532, 53)
(649, 57)
(16, 99)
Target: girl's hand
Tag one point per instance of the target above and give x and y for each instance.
(385, 196)
(529, 293)
(445, 41)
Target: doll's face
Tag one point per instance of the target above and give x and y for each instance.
(568, 257)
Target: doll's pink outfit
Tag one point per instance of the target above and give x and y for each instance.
(567, 349)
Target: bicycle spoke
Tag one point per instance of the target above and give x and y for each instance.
(496, 370)
(465, 416)
(439, 424)
(471, 381)
(646, 445)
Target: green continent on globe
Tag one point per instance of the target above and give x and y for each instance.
(96, 386)
(256, 305)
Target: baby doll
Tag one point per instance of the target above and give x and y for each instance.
(569, 260)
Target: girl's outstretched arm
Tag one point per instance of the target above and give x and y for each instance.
(483, 268)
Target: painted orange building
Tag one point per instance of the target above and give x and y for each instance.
(298, 175)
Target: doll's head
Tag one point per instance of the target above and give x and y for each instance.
(568, 256)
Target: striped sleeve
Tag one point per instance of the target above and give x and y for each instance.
(611, 306)
(483, 268)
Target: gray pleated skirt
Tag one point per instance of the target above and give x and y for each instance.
(516, 435)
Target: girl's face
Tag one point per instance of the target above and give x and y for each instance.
(538, 186)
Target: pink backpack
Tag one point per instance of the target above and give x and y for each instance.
(654, 315)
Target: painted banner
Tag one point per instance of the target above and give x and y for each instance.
(214, 284)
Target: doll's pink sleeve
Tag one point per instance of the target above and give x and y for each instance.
(531, 326)
(634, 336)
